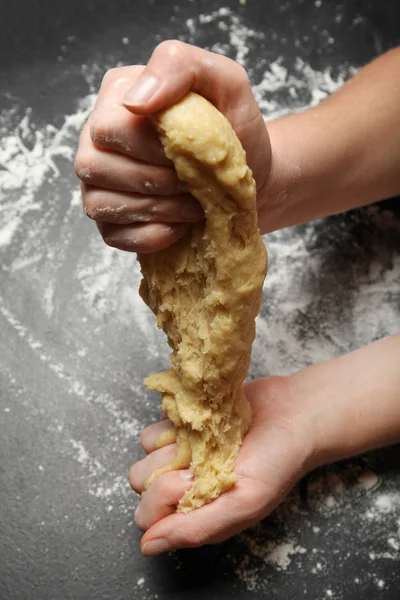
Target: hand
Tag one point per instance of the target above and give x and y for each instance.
(128, 186)
(276, 452)
(323, 413)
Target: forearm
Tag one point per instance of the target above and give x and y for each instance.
(354, 400)
(341, 154)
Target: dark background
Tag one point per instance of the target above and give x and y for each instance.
(73, 358)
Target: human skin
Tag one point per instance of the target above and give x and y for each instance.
(340, 154)
(343, 153)
(321, 414)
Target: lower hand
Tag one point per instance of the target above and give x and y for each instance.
(275, 453)
(323, 413)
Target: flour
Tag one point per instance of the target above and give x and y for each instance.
(280, 89)
(24, 168)
(47, 246)
(331, 493)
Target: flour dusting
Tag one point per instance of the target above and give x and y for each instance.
(316, 509)
(278, 88)
(91, 337)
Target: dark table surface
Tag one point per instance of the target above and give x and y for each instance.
(76, 341)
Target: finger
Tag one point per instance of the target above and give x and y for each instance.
(123, 208)
(150, 436)
(161, 498)
(272, 458)
(142, 470)
(119, 172)
(176, 68)
(229, 514)
(114, 128)
(144, 239)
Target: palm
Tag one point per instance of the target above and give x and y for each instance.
(274, 455)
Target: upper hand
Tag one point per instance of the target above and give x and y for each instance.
(128, 186)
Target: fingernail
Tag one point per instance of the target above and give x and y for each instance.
(191, 210)
(187, 475)
(155, 547)
(141, 91)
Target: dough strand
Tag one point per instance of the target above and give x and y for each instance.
(205, 291)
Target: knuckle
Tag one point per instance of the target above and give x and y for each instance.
(144, 438)
(99, 131)
(106, 132)
(82, 167)
(195, 537)
(172, 48)
(111, 75)
(148, 437)
(242, 76)
(139, 520)
(111, 241)
(127, 73)
(90, 207)
(133, 477)
(202, 536)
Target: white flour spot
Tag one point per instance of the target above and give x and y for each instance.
(101, 483)
(330, 493)
(281, 89)
(26, 167)
(40, 246)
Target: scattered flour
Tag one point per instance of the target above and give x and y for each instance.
(335, 497)
(280, 88)
(312, 321)
(28, 160)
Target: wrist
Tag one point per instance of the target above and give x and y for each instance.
(352, 401)
(331, 158)
(307, 180)
(275, 198)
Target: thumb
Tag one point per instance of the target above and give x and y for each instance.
(233, 511)
(175, 68)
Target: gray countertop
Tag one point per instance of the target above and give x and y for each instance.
(76, 341)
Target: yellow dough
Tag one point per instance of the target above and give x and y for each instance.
(205, 291)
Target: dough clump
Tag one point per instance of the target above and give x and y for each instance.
(206, 291)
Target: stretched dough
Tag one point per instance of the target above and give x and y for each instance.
(205, 291)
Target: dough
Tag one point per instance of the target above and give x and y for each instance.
(205, 291)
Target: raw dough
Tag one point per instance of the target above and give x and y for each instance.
(206, 292)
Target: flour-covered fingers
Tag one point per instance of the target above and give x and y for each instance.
(161, 498)
(154, 436)
(122, 173)
(122, 208)
(175, 68)
(143, 238)
(113, 128)
(142, 470)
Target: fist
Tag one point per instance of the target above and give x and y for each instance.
(128, 185)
